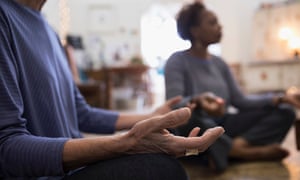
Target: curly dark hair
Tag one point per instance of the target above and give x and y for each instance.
(187, 18)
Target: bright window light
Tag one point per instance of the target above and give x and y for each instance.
(285, 33)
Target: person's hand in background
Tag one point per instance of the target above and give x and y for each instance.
(210, 103)
(167, 106)
(292, 97)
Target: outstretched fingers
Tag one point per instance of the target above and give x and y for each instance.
(158, 123)
(201, 143)
(211, 135)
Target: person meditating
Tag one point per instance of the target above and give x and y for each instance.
(260, 124)
(42, 115)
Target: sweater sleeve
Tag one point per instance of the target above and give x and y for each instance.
(94, 120)
(174, 79)
(21, 153)
(238, 98)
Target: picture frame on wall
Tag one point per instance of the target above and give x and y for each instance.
(102, 18)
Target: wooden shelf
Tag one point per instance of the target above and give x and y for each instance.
(93, 93)
(108, 75)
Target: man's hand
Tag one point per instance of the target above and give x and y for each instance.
(151, 135)
(211, 104)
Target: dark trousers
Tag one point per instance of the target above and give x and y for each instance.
(133, 167)
(259, 127)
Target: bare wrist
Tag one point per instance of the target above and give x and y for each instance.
(126, 142)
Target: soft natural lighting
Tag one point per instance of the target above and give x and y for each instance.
(285, 33)
(159, 39)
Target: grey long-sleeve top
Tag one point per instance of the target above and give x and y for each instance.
(188, 76)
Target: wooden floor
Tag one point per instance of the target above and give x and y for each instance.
(288, 169)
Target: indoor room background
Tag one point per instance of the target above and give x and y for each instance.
(115, 32)
(121, 47)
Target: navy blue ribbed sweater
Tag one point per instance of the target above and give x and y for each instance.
(40, 106)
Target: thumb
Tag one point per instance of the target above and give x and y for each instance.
(194, 132)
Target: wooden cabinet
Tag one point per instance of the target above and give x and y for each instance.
(93, 93)
(271, 76)
(262, 78)
(134, 77)
(291, 75)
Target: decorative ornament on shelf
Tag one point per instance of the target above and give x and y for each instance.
(136, 60)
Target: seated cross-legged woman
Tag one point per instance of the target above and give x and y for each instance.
(260, 124)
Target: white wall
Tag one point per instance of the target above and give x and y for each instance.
(236, 18)
(234, 15)
(51, 11)
(124, 27)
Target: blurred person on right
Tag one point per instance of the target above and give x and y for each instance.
(259, 124)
